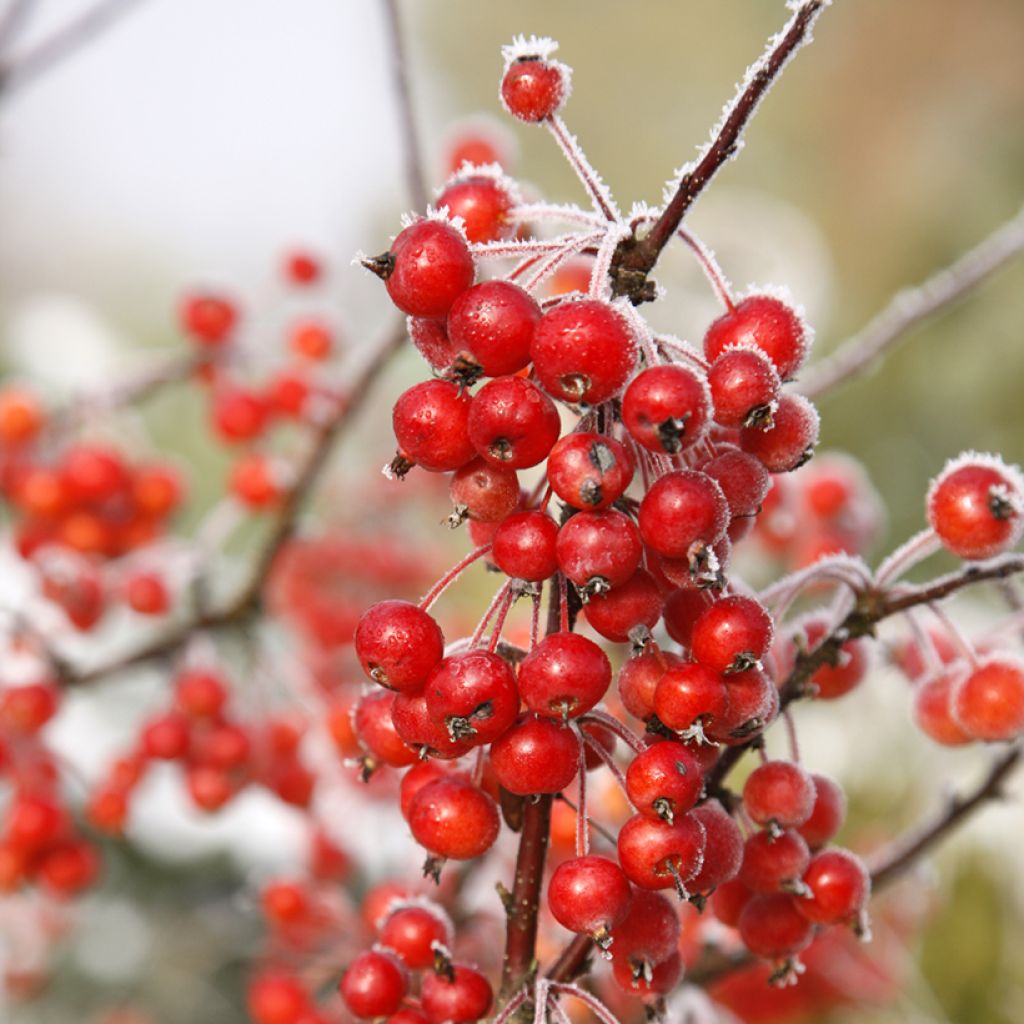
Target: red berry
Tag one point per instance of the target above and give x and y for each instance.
(564, 675)
(26, 709)
(657, 855)
(146, 593)
(933, 708)
(590, 471)
(513, 423)
(484, 491)
(682, 609)
(789, 442)
(374, 984)
(589, 895)
(976, 506)
(255, 481)
(599, 550)
(732, 635)
(238, 414)
(772, 862)
(660, 980)
(744, 386)
(723, 848)
(428, 267)
(302, 267)
(827, 814)
(452, 818)
(534, 88)
(772, 927)
(780, 792)
(277, 999)
(311, 339)
(537, 755)
(665, 408)
(688, 694)
(988, 702)
(200, 693)
(752, 702)
(34, 822)
(650, 931)
(412, 929)
(431, 424)
(398, 644)
(664, 781)
(494, 322)
(767, 323)
(683, 513)
(473, 695)
(209, 319)
(375, 729)
(728, 901)
(583, 352)
(743, 479)
(483, 201)
(417, 729)
(635, 604)
(431, 340)
(524, 546)
(467, 997)
(638, 679)
(839, 887)
(165, 738)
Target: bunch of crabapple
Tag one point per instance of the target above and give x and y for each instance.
(666, 465)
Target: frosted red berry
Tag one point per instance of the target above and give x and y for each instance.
(451, 817)
(431, 424)
(398, 644)
(666, 408)
(767, 323)
(493, 323)
(512, 422)
(599, 550)
(533, 88)
(524, 546)
(589, 895)
(590, 471)
(374, 984)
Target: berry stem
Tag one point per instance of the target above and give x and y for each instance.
(919, 547)
(596, 188)
(451, 576)
(611, 723)
(955, 634)
(710, 266)
(492, 608)
(794, 746)
(503, 611)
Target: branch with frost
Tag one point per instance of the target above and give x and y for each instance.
(17, 71)
(911, 306)
(637, 257)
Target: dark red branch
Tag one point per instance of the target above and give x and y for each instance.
(637, 257)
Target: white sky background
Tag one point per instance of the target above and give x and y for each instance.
(196, 140)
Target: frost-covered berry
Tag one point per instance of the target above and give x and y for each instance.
(533, 87)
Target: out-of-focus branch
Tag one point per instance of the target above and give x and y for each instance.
(415, 176)
(636, 258)
(905, 853)
(911, 306)
(248, 600)
(21, 69)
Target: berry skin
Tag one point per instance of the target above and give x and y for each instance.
(753, 702)
(537, 755)
(419, 775)
(302, 268)
(839, 887)
(779, 792)
(431, 424)
(524, 546)
(254, 481)
(484, 205)
(199, 693)
(583, 352)
(689, 693)
(494, 322)
(277, 999)
(414, 725)
(589, 895)
(639, 677)
(473, 694)
(451, 818)
(428, 267)
(768, 324)
(728, 901)
(976, 506)
(375, 728)
(773, 862)
(534, 89)
(431, 340)
(657, 855)
(933, 708)
(599, 550)
(208, 319)
(564, 675)
(723, 848)
(374, 984)
(165, 738)
(682, 511)
(620, 611)
(146, 593)
(664, 977)
(398, 644)
(773, 928)
(238, 414)
(988, 702)
(827, 815)
(732, 635)
(513, 423)
(483, 491)
(466, 998)
(743, 479)
(649, 933)
(682, 609)
(744, 385)
(21, 417)
(411, 930)
(665, 408)
(664, 781)
(789, 442)
(590, 471)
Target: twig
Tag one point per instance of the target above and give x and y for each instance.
(247, 601)
(637, 257)
(906, 852)
(19, 70)
(911, 306)
(415, 177)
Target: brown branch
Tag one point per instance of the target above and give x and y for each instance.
(906, 852)
(574, 960)
(415, 176)
(870, 609)
(912, 306)
(636, 258)
(248, 600)
(19, 70)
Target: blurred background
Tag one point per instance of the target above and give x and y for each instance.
(195, 142)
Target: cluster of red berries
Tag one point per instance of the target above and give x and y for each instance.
(220, 755)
